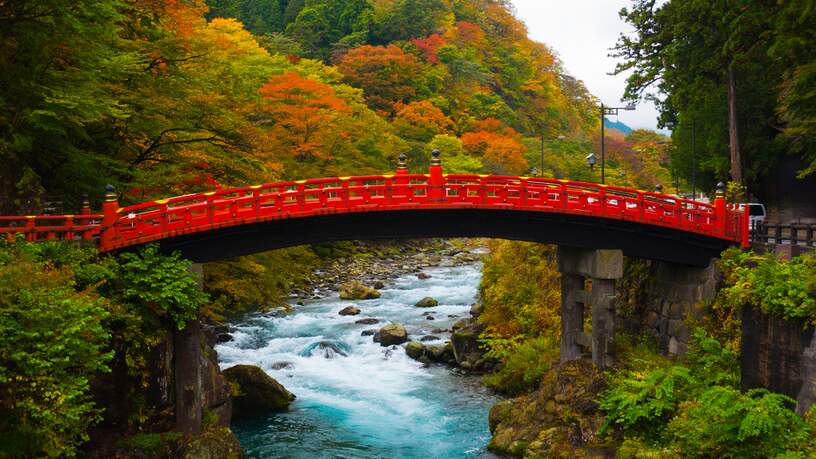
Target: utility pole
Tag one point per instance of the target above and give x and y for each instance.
(608, 111)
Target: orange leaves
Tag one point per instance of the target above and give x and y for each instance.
(386, 74)
(302, 112)
(501, 154)
(467, 33)
(421, 120)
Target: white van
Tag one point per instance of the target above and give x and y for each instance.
(756, 214)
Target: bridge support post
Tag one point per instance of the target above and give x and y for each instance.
(602, 268)
(188, 358)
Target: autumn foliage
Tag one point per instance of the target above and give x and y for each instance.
(386, 73)
(301, 114)
(501, 154)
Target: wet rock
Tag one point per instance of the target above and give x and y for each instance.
(423, 276)
(349, 311)
(560, 419)
(299, 302)
(461, 323)
(327, 349)
(442, 353)
(282, 366)
(254, 392)
(367, 321)
(466, 348)
(378, 285)
(223, 338)
(357, 291)
(376, 337)
(476, 309)
(415, 350)
(427, 302)
(368, 333)
(214, 443)
(430, 338)
(430, 318)
(393, 334)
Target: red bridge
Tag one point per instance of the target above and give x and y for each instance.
(239, 221)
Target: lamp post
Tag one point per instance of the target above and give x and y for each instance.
(671, 124)
(591, 159)
(543, 140)
(608, 111)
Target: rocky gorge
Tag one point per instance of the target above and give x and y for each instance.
(372, 359)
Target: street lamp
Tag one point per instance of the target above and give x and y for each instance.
(671, 124)
(591, 160)
(608, 111)
(560, 137)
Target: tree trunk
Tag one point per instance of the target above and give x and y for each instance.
(733, 133)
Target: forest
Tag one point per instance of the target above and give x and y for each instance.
(168, 97)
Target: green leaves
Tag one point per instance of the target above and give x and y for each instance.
(782, 288)
(161, 283)
(696, 409)
(52, 342)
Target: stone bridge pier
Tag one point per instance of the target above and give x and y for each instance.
(598, 270)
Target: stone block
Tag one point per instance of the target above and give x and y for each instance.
(676, 347)
(651, 319)
(679, 330)
(596, 264)
(677, 311)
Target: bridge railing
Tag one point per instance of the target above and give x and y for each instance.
(52, 227)
(141, 223)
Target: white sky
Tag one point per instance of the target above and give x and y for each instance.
(581, 32)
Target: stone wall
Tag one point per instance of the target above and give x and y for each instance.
(673, 296)
(779, 355)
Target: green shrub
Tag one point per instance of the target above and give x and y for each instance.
(51, 345)
(523, 368)
(695, 408)
(724, 422)
(782, 288)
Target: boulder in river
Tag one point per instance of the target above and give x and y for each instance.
(427, 302)
(349, 311)
(367, 321)
(415, 350)
(476, 309)
(368, 333)
(282, 366)
(430, 338)
(357, 291)
(393, 334)
(254, 392)
(466, 348)
(223, 338)
(379, 285)
(423, 276)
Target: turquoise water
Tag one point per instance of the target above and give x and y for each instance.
(356, 399)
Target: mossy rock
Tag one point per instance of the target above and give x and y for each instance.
(357, 291)
(427, 302)
(392, 334)
(219, 443)
(254, 392)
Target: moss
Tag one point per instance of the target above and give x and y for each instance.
(154, 444)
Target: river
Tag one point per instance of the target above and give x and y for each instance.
(355, 398)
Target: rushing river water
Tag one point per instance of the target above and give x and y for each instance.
(356, 399)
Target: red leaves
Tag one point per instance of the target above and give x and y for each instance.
(429, 46)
